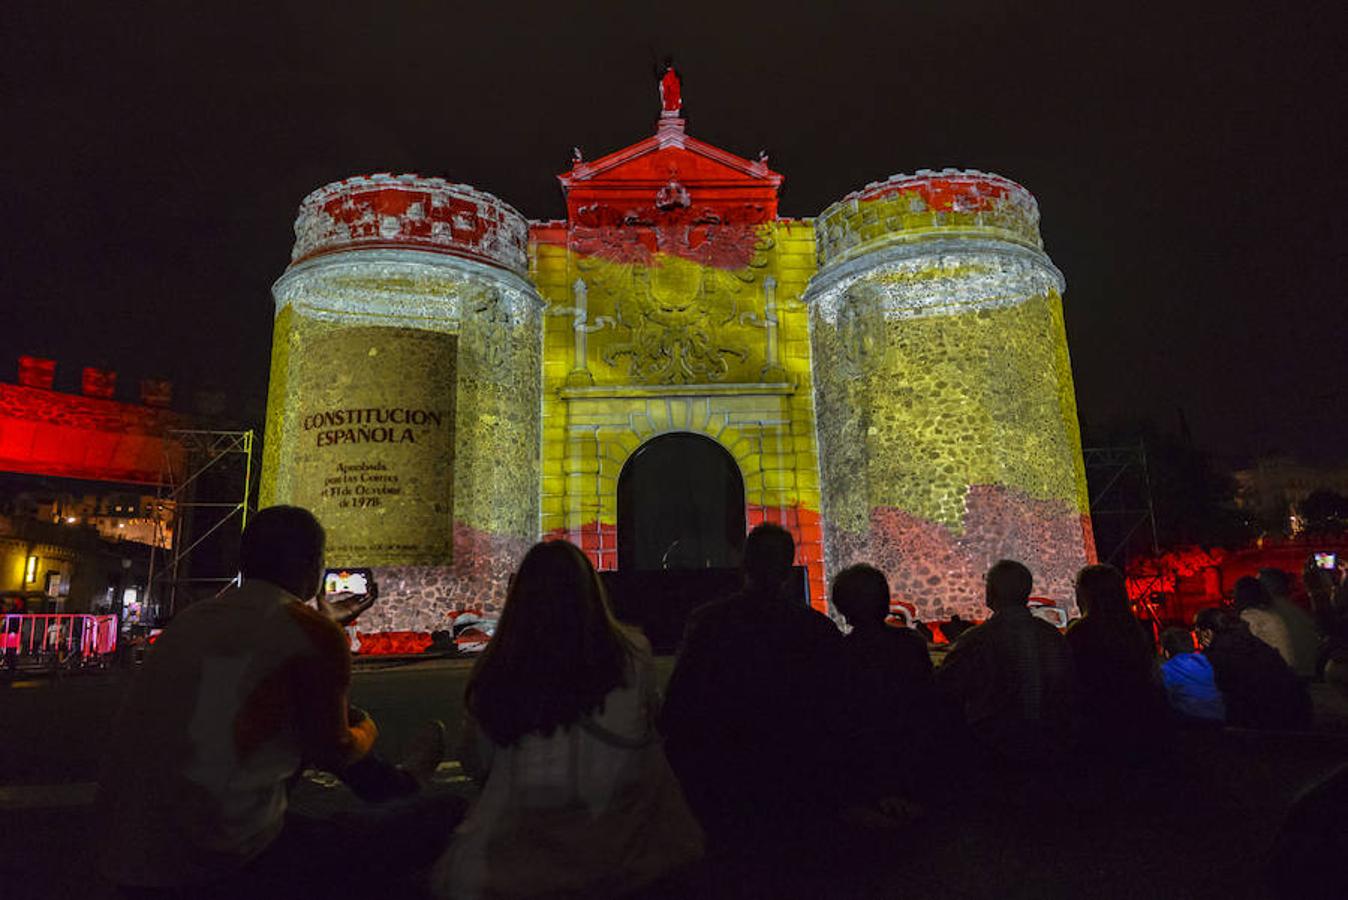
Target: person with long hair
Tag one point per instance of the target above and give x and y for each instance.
(577, 795)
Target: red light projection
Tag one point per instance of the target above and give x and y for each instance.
(670, 194)
(99, 383)
(411, 213)
(37, 372)
(599, 540)
(948, 192)
(43, 432)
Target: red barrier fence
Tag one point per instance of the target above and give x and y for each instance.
(38, 636)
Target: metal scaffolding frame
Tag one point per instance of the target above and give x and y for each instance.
(203, 452)
(1123, 495)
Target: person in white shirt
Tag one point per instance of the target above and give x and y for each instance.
(236, 696)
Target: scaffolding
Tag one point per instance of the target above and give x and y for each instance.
(211, 488)
(1124, 521)
(1122, 514)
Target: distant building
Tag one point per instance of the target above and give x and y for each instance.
(117, 516)
(78, 477)
(1273, 489)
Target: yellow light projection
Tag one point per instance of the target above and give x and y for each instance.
(947, 419)
(892, 380)
(404, 398)
(633, 350)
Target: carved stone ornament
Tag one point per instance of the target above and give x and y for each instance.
(675, 302)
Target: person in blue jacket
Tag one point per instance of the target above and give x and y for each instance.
(1190, 683)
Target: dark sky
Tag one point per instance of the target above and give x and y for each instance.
(1186, 160)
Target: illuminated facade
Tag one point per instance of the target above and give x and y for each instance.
(891, 381)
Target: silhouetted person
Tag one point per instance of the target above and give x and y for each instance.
(238, 695)
(750, 707)
(891, 694)
(1012, 675)
(1190, 683)
(577, 799)
(1303, 638)
(1121, 703)
(1259, 688)
(1327, 593)
(1255, 608)
(955, 627)
(1305, 861)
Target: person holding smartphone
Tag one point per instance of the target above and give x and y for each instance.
(238, 695)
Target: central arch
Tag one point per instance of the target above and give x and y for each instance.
(680, 505)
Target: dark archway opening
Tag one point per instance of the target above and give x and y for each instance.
(680, 506)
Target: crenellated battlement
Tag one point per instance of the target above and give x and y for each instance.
(905, 208)
(414, 213)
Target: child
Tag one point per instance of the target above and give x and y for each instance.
(1190, 684)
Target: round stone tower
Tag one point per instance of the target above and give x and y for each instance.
(404, 398)
(947, 423)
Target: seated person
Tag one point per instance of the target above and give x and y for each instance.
(889, 674)
(896, 657)
(1012, 676)
(1255, 608)
(1190, 685)
(577, 799)
(752, 701)
(1121, 701)
(1303, 636)
(237, 696)
(955, 627)
(1259, 689)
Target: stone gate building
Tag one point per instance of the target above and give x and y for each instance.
(669, 365)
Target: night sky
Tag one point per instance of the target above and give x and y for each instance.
(1187, 164)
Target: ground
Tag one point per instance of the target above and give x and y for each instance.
(1195, 824)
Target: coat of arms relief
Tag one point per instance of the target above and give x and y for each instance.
(675, 294)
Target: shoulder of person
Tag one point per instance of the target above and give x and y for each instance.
(708, 614)
(637, 642)
(911, 637)
(982, 631)
(325, 634)
(809, 612)
(1046, 628)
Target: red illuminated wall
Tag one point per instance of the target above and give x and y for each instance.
(45, 432)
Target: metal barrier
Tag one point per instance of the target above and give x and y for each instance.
(56, 637)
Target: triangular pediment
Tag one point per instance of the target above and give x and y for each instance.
(670, 150)
(671, 166)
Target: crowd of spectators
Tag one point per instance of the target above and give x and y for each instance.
(776, 728)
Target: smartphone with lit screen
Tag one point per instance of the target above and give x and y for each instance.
(1326, 561)
(349, 581)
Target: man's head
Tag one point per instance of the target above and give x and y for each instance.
(1009, 585)
(1250, 594)
(1102, 591)
(1211, 622)
(861, 594)
(1277, 582)
(284, 545)
(1177, 641)
(769, 552)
